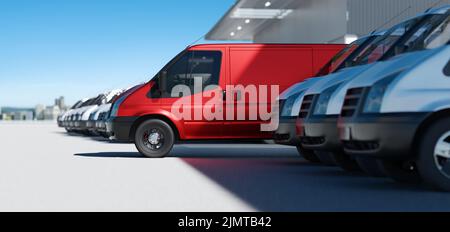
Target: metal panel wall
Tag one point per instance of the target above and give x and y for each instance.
(312, 21)
(365, 16)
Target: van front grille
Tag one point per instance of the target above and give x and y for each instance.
(351, 102)
(361, 145)
(102, 116)
(307, 104)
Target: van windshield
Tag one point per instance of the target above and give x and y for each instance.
(339, 59)
(113, 99)
(86, 103)
(418, 40)
(382, 44)
(76, 105)
(440, 36)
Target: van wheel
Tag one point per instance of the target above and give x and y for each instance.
(434, 155)
(346, 162)
(154, 138)
(308, 154)
(326, 158)
(370, 166)
(401, 171)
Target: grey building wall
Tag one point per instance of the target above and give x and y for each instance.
(312, 21)
(365, 16)
(322, 21)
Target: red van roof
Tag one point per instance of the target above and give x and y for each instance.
(255, 45)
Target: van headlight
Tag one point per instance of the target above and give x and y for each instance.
(116, 105)
(321, 106)
(289, 105)
(376, 94)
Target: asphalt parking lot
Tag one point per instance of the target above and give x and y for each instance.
(42, 168)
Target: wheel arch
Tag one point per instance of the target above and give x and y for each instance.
(163, 118)
(433, 117)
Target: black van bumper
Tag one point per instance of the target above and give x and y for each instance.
(119, 128)
(286, 134)
(380, 135)
(321, 133)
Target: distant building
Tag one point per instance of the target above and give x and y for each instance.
(10, 113)
(22, 116)
(51, 112)
(5, 117)
(60, 102)
(39, 112)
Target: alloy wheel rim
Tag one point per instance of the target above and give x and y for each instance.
(442, 154)
(153, 139)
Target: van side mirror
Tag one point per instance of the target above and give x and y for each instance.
(162, 81)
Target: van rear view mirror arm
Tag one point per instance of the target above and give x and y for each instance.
(162, 81)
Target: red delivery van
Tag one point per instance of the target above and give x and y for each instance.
(213, 92)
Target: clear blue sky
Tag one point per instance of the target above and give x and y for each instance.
(79, 48)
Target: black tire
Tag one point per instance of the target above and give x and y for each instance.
(435, 170)
(370, 166)
(346, 162)
(401, 171)
(308, 154)
(166, 138)
(326, 158)
(104, 135)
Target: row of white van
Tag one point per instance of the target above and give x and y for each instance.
(385, 109)
(88, 116)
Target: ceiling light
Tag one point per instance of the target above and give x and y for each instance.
(239, 28)
(250, 13)
(232, 34)
(268, 4)
(247, 21)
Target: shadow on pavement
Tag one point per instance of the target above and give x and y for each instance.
(282, 182)
(111, 155)
(274, 178)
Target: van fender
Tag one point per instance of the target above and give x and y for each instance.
(168, 117)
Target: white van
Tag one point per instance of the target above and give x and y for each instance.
(66, 116)
(291, 99)
(104, 106)
(317, 123)
(402, 117)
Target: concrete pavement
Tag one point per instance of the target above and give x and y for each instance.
(42, 168)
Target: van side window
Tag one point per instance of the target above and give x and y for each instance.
(416, 41)
(384, 43)
(201, 65)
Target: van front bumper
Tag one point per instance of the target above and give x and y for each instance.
(320, 133)
(120, 128)
(100, 126)
(90, 125)
(380, 135)
(81, 125)
(286, 133)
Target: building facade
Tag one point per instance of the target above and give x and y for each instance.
(313, 21)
